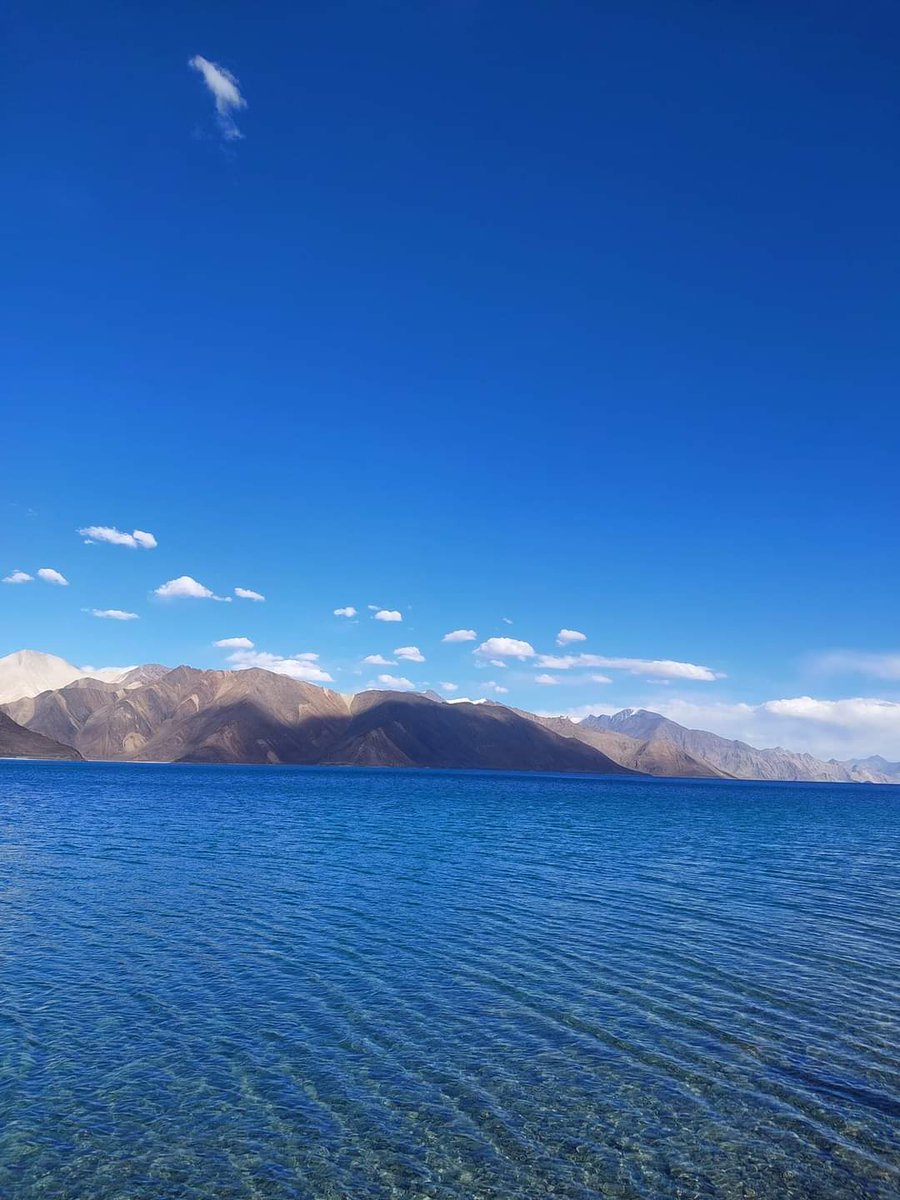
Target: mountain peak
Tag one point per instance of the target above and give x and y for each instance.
(27, 673)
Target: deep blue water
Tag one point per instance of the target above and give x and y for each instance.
(272, 983)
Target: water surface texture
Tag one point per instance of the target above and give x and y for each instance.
(261, 982)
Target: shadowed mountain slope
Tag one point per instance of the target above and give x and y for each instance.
(18, 742)
(390, 728)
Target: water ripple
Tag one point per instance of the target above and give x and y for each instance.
(244, 983)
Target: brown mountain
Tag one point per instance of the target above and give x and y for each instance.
(256, 716)
(62, 714)
(405, 729)
(18, 742)
(649, 757)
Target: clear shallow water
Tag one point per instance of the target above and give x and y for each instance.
(239, 982)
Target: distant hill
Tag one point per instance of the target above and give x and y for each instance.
(18, 742)
(648, 756)
(875, 766)
(723, 756)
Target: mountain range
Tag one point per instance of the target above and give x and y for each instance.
(154, 713)
(733, 759)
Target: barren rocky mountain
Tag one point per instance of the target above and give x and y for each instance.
(27, 673)
(874, 769)
(649, 756)
(18, 742)
(255, 716)
(403, 729)
(724, 756)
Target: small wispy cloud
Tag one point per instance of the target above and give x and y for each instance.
(388, 614)
(185, 587)
(566, 636)
(449, 687)
(298, 666)
(248, 594)
(235, 643)
(657, 668)
(113, 614)
(546, 680)
(138, 538)
(50, 576)
(18, 577)
(225, 92)
(855, 662)
(396, 683)
(378, 660)
(349, 611)
(460, 635)
(410, 654)
(505, 647)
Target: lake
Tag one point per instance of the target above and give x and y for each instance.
(226, 982)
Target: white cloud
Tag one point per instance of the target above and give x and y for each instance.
(235, 643)
(225, 92)
(579, 712)
(248, 594)
(566, 636)
(388, 614)
(460, 635)
(658, 668)
(497, 662)
(107, 674)
(493, 686)
(297, 666)
(187, 588)
(378, 660)
(507, 621)
(410, 654)
(50, 576)
(396, 683)
(115, 537)
(878, 666)
(504, 647)
(546, 680)
(18, 577)
(602, 679)
(843, 728)
(349, 611)
(113, 614)
(449, 687)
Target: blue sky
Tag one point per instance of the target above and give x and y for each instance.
(583, 316)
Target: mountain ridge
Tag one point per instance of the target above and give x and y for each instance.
(257, 716)
(736, 759)
(184, 714)
(16, 741)
(27, 673)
